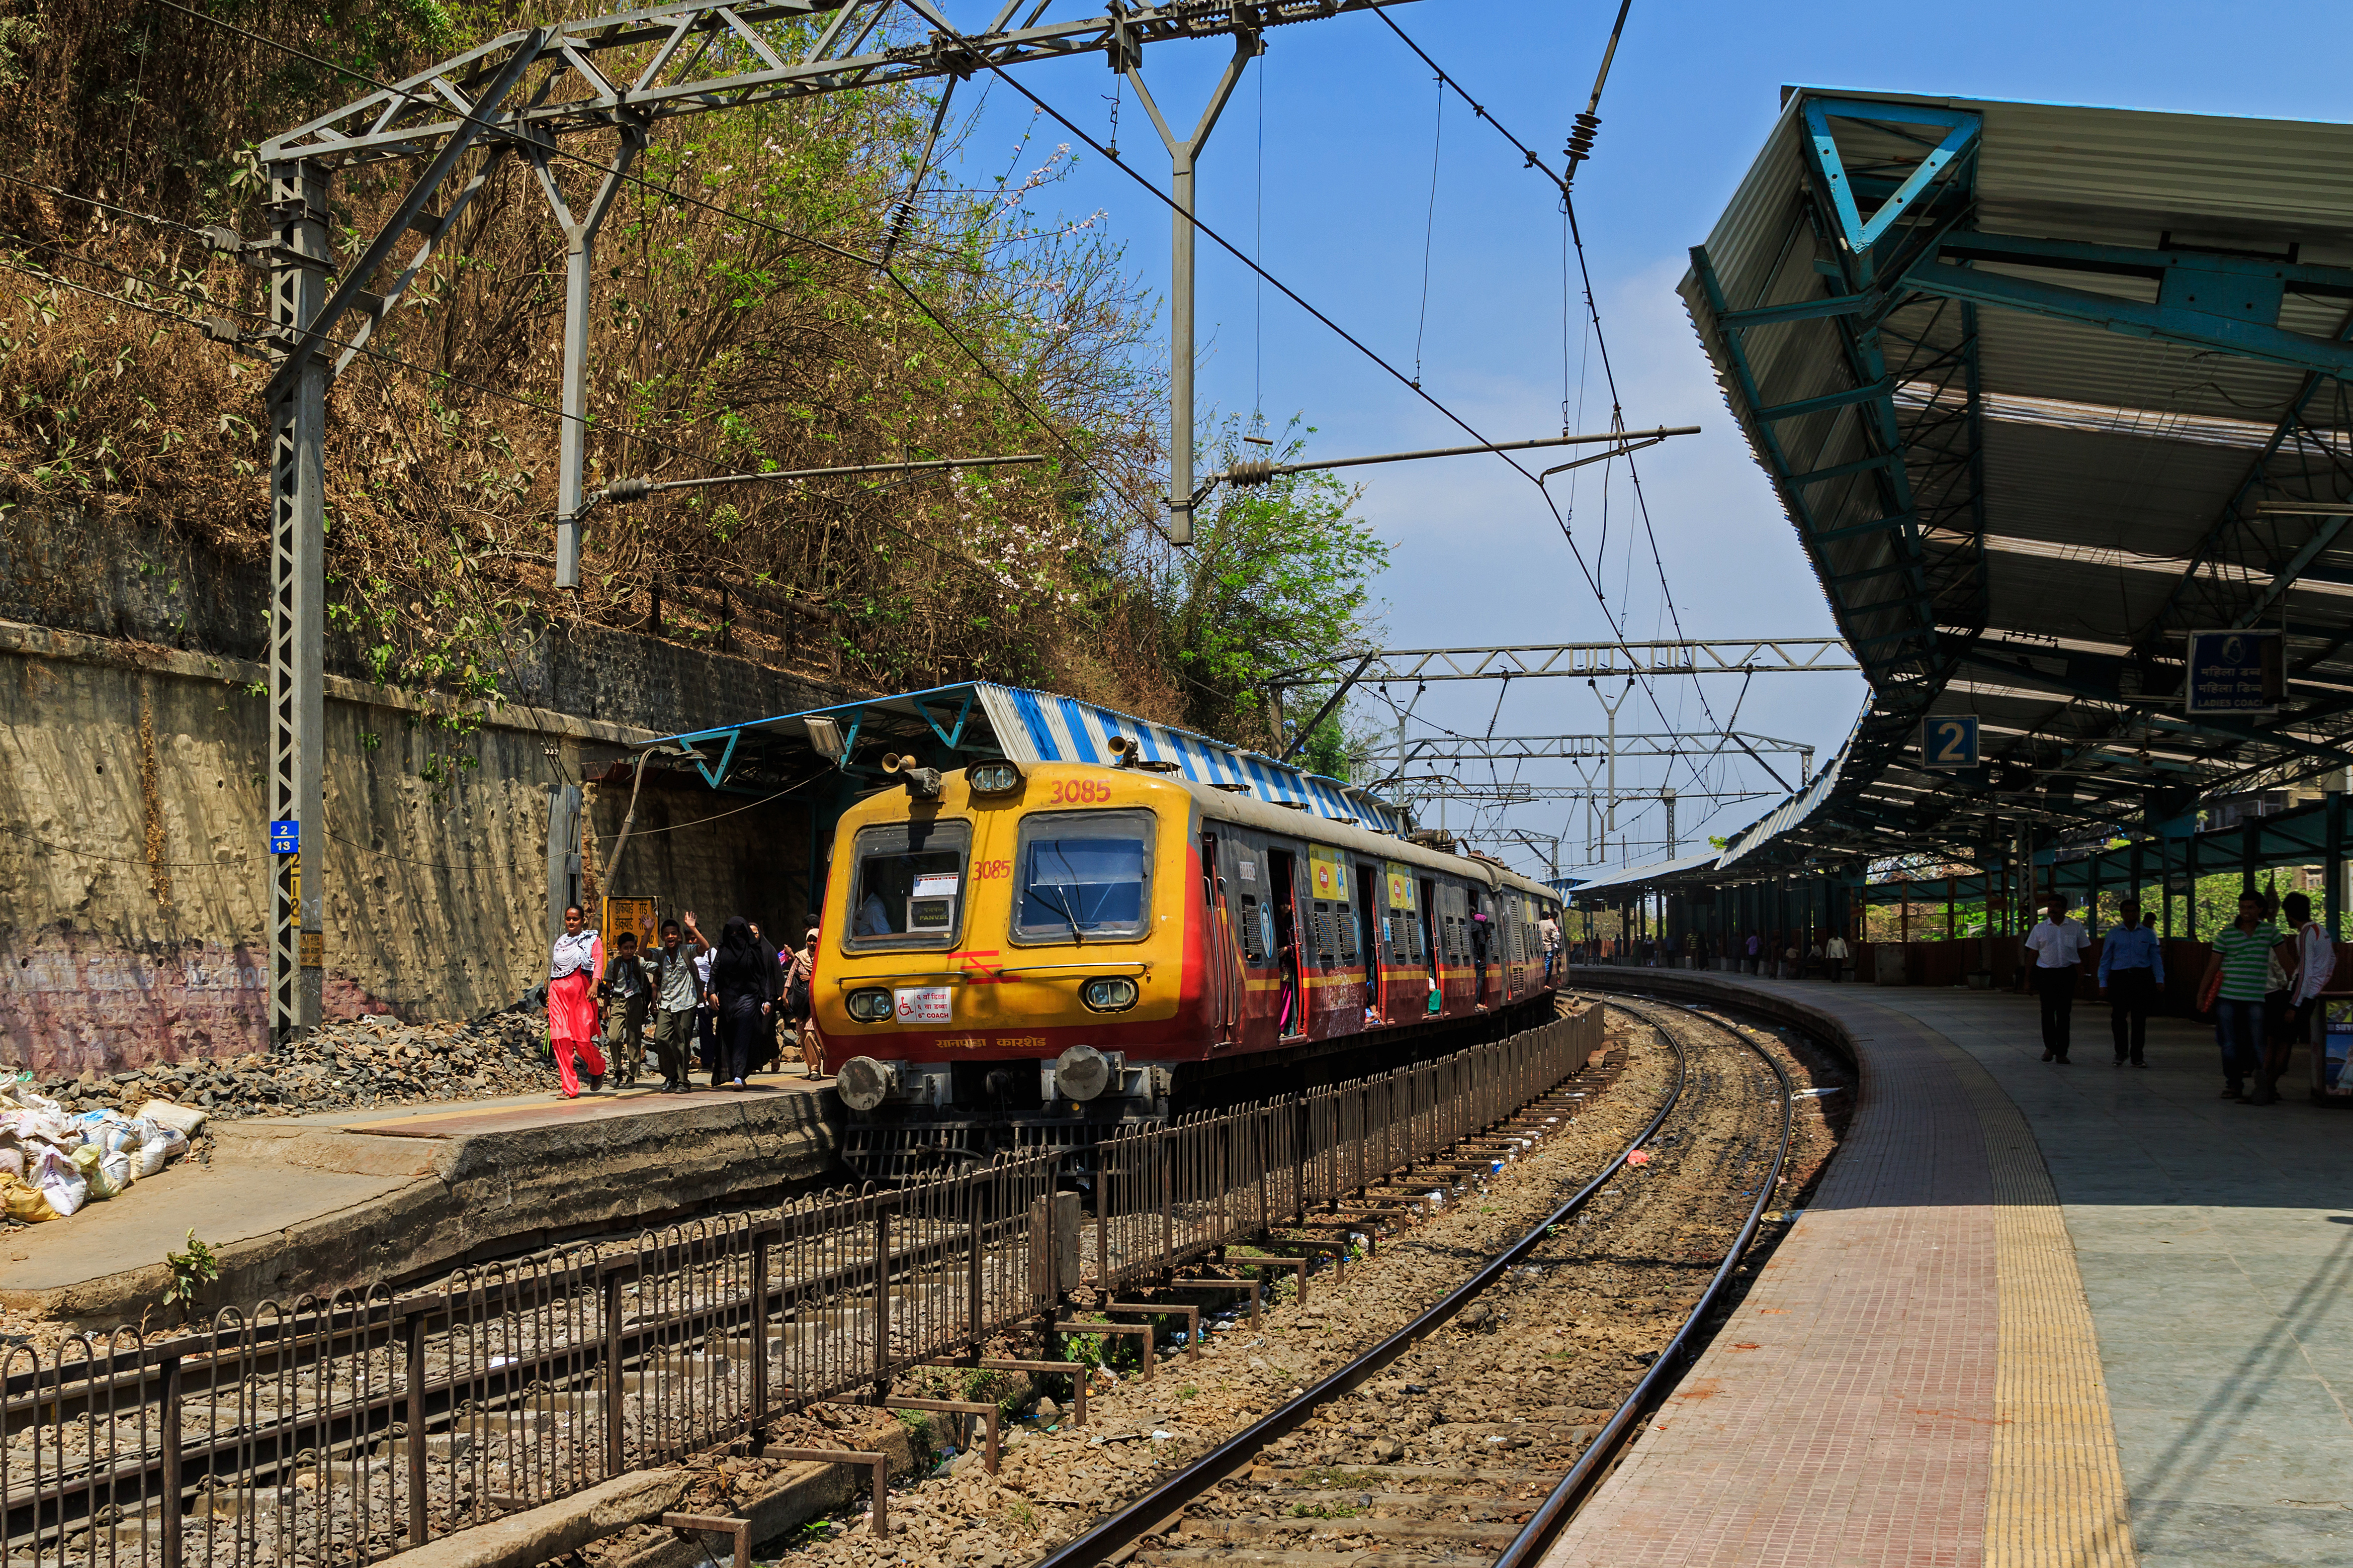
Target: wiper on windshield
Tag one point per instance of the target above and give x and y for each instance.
(1078, 938)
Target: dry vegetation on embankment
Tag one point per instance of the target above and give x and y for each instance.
(739, 324)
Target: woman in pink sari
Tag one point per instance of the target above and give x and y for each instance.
(572, 971)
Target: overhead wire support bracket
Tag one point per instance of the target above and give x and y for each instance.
(636, 489)
(1255, 473)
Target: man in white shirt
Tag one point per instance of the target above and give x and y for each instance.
(2057, 944)
(1834, 956)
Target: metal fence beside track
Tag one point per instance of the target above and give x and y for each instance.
(335, 1433)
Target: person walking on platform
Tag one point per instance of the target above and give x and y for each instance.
(706, 1016)
(743, 974)
(2057, 944)
(2312, 963)
(800, 1011)
(2132, 970)
(571, 970)
(1755, 946)
(625, 993)
(678, 997)
(1834, 956)
(2241, 963)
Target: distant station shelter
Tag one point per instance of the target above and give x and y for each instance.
(2054, 399)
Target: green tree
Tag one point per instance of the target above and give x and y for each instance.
(1280, 576)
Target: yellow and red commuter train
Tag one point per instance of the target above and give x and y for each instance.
(1041, 953)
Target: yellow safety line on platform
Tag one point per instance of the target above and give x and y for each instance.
(2055, 1498)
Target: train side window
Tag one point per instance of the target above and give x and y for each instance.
(1253, 930)
(1084, 875)
(1345, 919)
(909, 890)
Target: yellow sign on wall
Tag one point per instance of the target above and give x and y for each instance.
(631, 915)
(1400, 886)
(1328, 875)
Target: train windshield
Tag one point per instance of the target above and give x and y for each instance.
(908, 890)
(1084, 875)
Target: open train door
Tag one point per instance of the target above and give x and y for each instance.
(1223, 982)
(1367, 877)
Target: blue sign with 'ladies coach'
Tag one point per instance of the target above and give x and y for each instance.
(2234, 672)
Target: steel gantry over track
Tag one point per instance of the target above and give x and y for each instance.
(1594, 748)
(1591, 661)
(604, 82)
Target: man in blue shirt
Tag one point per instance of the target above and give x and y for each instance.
(2132, 971)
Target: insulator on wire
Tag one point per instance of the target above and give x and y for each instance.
(1580, 139)
(1251, 473)
(898, 216)
(222, 331)
(628, 489)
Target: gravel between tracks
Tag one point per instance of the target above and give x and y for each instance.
(1054, 1484)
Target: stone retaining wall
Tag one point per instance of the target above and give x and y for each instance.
(135, 738)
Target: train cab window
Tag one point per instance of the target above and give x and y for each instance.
(1085, 875)
(908, 889)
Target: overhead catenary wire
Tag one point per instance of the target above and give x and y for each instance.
(103, 205)
(1575, 235)
(1429, 230)
(923, 305)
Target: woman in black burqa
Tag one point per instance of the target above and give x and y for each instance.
(745, 975)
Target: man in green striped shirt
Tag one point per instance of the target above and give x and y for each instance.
(2242, 959)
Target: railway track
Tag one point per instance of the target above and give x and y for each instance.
(1473, 1434)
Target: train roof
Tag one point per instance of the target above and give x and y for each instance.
(1301, 821)
(1295, 823)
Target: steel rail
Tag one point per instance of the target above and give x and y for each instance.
(1562, 1502)
(1141, 1518)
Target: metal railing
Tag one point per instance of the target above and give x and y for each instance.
(333, 1433)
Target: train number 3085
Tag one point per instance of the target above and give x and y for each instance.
(1079, 791)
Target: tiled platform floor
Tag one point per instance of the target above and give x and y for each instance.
(2027, 1304)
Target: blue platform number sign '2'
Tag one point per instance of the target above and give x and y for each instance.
(286, 837)
(1950, 743)
(2234, 672)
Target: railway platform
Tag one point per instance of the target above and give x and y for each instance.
(2034, 1314)
(340, 1199)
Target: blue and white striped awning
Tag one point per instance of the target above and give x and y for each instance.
(984, 720)
(1039, 727)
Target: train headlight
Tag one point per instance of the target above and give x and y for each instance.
(993, 778)
(1109, 994)
(1083, 1072)
(870, 1007)
(864, 1083)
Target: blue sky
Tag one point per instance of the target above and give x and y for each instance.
(1338, 181)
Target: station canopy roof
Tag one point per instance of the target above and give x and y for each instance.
(952, 726)
(2042, 389)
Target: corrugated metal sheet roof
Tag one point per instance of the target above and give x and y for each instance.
(2069, 481)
